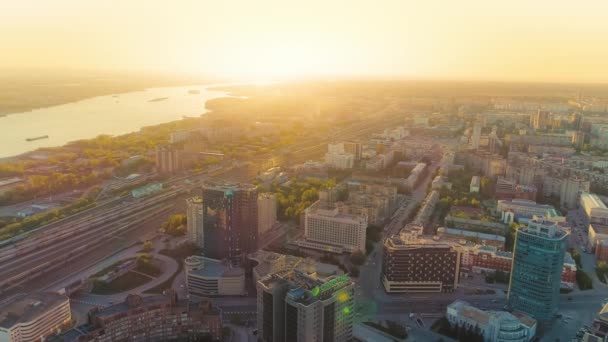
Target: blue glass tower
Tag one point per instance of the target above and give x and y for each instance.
(538, 259)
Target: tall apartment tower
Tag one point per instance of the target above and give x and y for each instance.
(538, 260)
(167, 159)
(298, 307)
(353, 148)
(476, 135)
(230, 221)
(540, 119)
(267, 212)
(571, 189)
(194, 218)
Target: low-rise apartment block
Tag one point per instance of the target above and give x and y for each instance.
(155, 318)
(494, 326)
(522, 211)
(34, 317)
(207, 277)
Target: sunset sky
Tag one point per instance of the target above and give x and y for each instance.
(543, 40)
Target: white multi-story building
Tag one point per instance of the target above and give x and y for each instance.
(475, 184)
(415, 175)
(34, 317)
(337, 157)
(326, 228)
(179, 136)
(523, 210)
(209, 277)
(571, 189)
(595, 210)
(495, 326)
(194, 221)
(267, 212)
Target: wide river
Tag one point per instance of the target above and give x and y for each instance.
(112, 114)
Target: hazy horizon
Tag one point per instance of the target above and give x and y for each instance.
(519, 41)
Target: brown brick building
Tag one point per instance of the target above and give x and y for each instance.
(154, 318)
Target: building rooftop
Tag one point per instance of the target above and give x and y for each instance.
(470, 312)
(482, 317)
(475, 181)
(603, 314)
(28, 307)
(135, 301)
(228, 187)
(599, 228)
(471, 234)
(593, 200)
(321, 209)
(213, 268)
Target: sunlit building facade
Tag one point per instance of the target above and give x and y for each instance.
(538, 258)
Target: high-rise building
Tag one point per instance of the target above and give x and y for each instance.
(353, 148)
(194, 219)
(413, 263)
(541, 119)
(571, 189)
(296, 306)
(167, 159)
(34, 317)
(230, 220)
(267, 212)
(538, 258)
(476, 137)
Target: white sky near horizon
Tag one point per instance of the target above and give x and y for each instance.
(543, 40)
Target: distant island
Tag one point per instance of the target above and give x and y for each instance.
(37, 138)
(158, 99)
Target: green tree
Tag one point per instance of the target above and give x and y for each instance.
(147, 246)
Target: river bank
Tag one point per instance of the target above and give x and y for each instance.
(114, 115)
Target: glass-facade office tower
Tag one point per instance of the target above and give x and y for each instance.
(230, 221)
(538, 259)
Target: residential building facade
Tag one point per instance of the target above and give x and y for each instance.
(34, 317)
(325, 227)
(207, 277)
(494, 326)
(155, 318)
(412, 263)
(267, 212)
